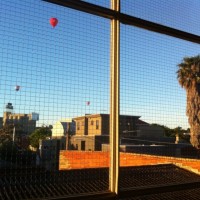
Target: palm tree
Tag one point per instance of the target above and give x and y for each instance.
(189, 78)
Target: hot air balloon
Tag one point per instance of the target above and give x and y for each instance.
(17, 87)
(53, 21)
(87, 103)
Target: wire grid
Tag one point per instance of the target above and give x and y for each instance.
(188, 194)
(64, 183)
(62, 74)
(49, 77)
(149, 89)
(179, 15)
(103, 3)
(142, 176)
(53, 184)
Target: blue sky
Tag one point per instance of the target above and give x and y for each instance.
(61, 68)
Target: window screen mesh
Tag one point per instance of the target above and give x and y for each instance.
(181, 15)
(150, 92)
(54, 82)
(55, 99)
(103, 3)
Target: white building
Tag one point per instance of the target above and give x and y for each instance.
(60, 128)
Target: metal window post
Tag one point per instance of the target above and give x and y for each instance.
(114, 99)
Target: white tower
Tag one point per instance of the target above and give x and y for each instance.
(9, 108)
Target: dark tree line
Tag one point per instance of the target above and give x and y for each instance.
(172, 132)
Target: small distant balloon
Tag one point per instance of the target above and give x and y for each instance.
(53, 21)
(87, 103)
(17, 88)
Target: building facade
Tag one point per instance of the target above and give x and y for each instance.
(62, 127)
(93, 130)
(49, 152)
(25, 123)
(1, 122)
(98, 124)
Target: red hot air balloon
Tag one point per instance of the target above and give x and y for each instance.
(17, 87)
(53, 21)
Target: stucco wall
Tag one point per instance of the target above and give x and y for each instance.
(92, 127)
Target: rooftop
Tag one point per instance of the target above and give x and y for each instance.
(38, 184)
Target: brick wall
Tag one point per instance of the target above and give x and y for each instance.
(83, 159)
(98, 159)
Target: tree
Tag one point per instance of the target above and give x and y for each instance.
(188, 76)
(40, 133)
(178, 131)
(6, 133)
(168, 131)
(8, 151)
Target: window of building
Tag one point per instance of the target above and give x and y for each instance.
(97, 124)
(78, 125)
(92, 122)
